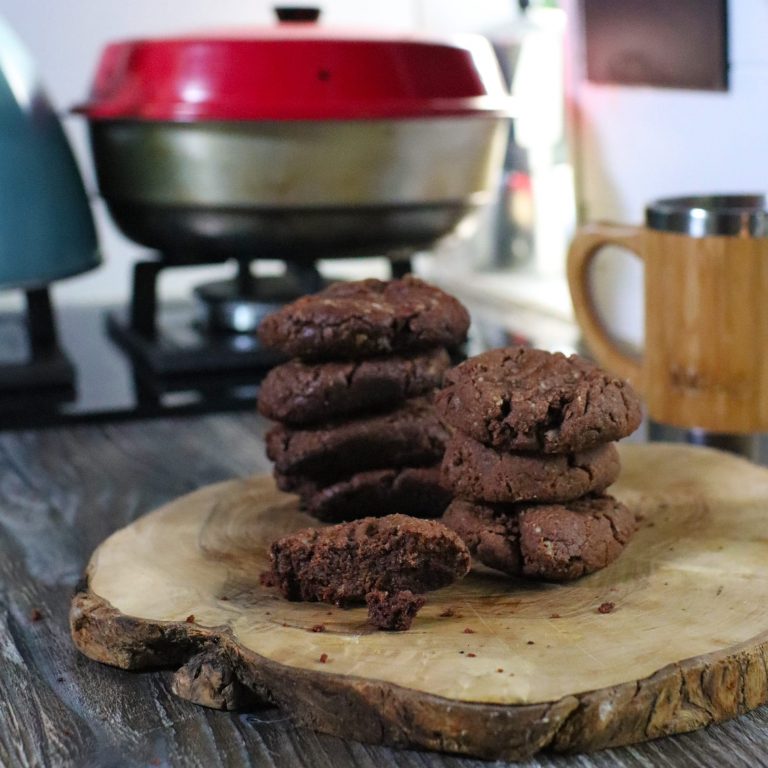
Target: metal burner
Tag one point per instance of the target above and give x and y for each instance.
(240, 304)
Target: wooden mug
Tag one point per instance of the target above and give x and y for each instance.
(705, 361)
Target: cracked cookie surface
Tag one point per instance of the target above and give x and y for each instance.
(299, 393)
(520, 399)
(366, 318)
(475, 471)
(554, 542)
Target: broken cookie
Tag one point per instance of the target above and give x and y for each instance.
(341, 564)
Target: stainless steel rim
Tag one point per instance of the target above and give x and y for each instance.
(702, 215)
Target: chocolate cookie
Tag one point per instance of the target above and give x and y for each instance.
(343, 563)
(474, 471)
(393, 611)
(366, 318)
(411, 435)
(519, 399)
(556, 542)
(297, 393)
(408, 490)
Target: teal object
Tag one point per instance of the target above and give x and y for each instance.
(46, 225)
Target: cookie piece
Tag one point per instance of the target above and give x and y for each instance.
(411, 435)
(366, 318)
(341, 564)
(407, 490)
(474, 471)
(519, 399)
(394, 612)
(555, 542)
(297, 393)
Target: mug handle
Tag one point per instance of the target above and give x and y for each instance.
(586, 244)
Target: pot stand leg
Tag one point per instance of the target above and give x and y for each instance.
(47, 370)
(307, 276)
(43, 338)
(144, 297)
(400, 267)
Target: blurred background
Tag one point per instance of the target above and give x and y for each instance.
(617, 102)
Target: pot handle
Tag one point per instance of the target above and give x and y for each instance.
(296, 13)
(586, 244)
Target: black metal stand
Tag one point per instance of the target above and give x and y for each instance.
(181, 346)
(46, 370)
(300, 279)
(143, 318)
(400, 268)
(209, 342)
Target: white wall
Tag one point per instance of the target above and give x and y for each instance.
(66, 37)
(637, 144)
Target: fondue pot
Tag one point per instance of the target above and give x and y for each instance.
(293, 141)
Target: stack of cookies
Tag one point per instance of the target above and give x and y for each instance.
(358, 434)
(530, 458)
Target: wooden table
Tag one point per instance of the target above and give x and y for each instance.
(61, 492)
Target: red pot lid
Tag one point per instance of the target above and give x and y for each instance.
(296, 71)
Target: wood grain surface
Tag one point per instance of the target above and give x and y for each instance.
(63, 491)
(669, 638)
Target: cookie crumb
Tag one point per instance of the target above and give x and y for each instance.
(36, 615)
(323, 658)
(554, 615)
(447, 613)
(268, 579)
(190, 619)
(318, 628)
(499, 669)
(530, 642)
(471, 655)
(469, 631)
(606, 607)
(393, 611)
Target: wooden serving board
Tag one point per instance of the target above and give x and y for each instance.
(519, 666)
